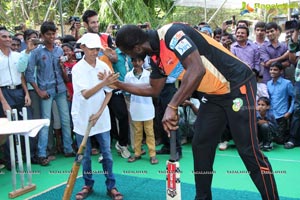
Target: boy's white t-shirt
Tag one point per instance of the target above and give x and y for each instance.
(141, 108)
(84, 76)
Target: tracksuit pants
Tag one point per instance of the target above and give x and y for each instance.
(236, 109)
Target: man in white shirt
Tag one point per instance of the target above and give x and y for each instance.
(13, 89)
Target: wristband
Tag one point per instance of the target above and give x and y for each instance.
(173, 107)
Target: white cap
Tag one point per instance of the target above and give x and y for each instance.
(90, 40)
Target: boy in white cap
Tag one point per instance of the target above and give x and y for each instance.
(90, 99)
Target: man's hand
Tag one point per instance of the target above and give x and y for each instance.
(170, 120)
(295, 36)
(30, 46)
(27, 100)
(5, 107)
(287, 115)
(111, 54)
(43, 94)
(111, 78)
(187, 103)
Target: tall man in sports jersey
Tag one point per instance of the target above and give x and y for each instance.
(225, 86)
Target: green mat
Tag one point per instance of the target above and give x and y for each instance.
(134, 188)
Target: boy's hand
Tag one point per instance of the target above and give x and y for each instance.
(109, 78)
(93, 119)
(260, 122)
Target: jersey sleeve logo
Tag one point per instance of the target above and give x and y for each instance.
(176, 38)
(183, 46)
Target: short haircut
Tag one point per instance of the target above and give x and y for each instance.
(67, 45)
(271, 25)
(203, 24)
(68, 38)
(217, 31)
(19, 33)
(138, 57)
(129, 36)
(242, 27)
(87, 14)
(3, 28)
(16, 39)
(28, 33)
(277, 64)
(48, 26)
(243, 21)
(260, 25)
(264, 99)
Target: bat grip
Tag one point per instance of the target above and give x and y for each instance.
(173, 146)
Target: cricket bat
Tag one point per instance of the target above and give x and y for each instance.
(173, 190)
(76, 165)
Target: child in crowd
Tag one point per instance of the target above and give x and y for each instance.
(281, 92)
(90, 100)
(68, 60)
(142, 112)
(262, 90)
(187, 117)
(266, 124)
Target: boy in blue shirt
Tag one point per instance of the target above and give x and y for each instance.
(281, 94)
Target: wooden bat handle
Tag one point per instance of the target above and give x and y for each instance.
(76, 165)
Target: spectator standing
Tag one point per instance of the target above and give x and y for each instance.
(226, 40)
(13, 90)
(244, 49)
(281, 94)
(33, 112)
(50, 86)
(16, 44)
(141, 112)
(294, 52)
(273, 50)
(118, 106)
(260, 39)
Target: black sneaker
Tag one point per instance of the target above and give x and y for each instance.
(34, 160)
(163, 150)
(289, 145)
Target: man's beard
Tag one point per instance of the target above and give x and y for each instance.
(92, 30)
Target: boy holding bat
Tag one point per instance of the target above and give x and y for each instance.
(90, 98)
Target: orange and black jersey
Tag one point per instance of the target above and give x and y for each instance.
(174, 42)
(106, 40)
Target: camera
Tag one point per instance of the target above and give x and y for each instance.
(228, 22)
(64, 58)
(293, 24)
(37, 41)
(18, 28)
(74, 18)
(115, 27)
(143, 26)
